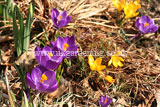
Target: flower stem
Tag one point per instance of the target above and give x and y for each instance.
(137, 35)
(54, 34)
(121, 20)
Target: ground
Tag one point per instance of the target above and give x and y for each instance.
(95, 29)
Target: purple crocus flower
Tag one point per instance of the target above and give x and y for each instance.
(48, 57)
(42, 80)
(60, 19)
(146, 25)
(67, 45)
(105, 101)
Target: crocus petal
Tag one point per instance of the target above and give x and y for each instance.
(115, 63)
(66, 39)
(109, 100)
(151, 21)
(73, 48)
(44, 55)
(38, 54)
(49, 74)
(54, 13)
(71, 41)
(120, 64)
(142, 29)
(69, 19)
(121, 59)
(55, 22)
(36, 75)
(137, 22)
(153, 28)
(71, 52)
(137, 13)
(42, 68)
(98, 61)
(143, 19)
(52, 64)
(62, 23)
(46, 50)
(101, 101)
(101, 67)
(52, 87)
(60, 43)
(29, 81)
(53, 43)
(93, 67)
(110, 62)
(57, 53)
(109, 79)
(63, 15)
(41, 87)
(90, 60)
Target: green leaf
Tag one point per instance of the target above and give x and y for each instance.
(27, 29)
(16, 35)
(22, 35)
(8, 4)
(67, 62)
(13, 96)
(21, 30)
(25, 99)
(124, 37)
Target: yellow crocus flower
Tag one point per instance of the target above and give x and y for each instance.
(95, 65)
(116, 60)
(109, 79)
(130, 9)
(118, 4)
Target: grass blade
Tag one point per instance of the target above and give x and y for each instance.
(25, 99)
(21, 30)
(17, 40)
(27, 29)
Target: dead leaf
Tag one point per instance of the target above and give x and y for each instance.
(157, 97)
(122, 101)
(85, 83)
(148, 101)
(5, 38)
(27, 59)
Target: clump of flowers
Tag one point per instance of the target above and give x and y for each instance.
(42, 79)
(95, 65)
(60, 19)
(145, 25)
(130, 8)
(105, 101)
(116, 60)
